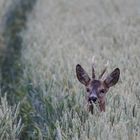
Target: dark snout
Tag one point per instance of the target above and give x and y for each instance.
(92, 99)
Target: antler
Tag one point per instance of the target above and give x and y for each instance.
(104, 70)
(93, 71)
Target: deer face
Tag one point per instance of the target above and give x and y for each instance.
(97, 89)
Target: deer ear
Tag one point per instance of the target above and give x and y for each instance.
(113, 78)
(82, 75)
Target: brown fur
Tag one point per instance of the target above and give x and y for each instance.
(96, 89)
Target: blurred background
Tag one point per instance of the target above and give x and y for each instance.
(41, 41)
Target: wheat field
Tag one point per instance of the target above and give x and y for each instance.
(60, 34)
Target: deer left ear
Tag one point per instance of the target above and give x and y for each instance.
(113, 78)
(82, 75)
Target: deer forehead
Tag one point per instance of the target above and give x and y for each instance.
(96, 84)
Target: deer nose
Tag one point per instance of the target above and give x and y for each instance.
(92, 99)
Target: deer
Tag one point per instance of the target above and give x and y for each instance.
(96, 89)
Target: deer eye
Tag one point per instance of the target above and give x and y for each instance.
(88, 90)
(102, 91)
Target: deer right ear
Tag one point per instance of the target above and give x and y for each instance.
(113, 78)
(82, 75)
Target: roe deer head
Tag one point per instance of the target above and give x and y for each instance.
(97, 89)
